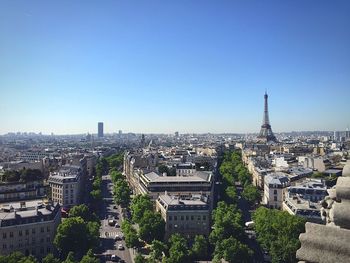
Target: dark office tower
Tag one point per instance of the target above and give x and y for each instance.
(266, 133)
(100, 129)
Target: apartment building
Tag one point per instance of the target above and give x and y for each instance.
(12, 191)
(28, 227)
(188, 216)
(274, 189)
(304, 199)
(66, 186)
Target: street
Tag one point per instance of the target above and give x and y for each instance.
(109, 246)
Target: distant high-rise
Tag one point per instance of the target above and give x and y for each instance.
(266, 133)
(100, 129)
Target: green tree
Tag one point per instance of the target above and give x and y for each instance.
(140, 259)
(83, 212)
(122, 193)
(278, 232)
(73, 234)
(70, 258)
(227, 222)
(178, 251)
(89, 258)
(231, 195)
(29, 259)
(116, 176)
(199, 249)
(14, 257)
(232, 251)
(152, 226)
(50, 259)
(251, 194)
(157, 250)
(130, 234)
(139, 205)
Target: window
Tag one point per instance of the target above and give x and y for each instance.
(41, 250)
(27, 232)
(20, 233)
(187, 218)
(33, 231)
(47, 239)
(48, 229)
(170, 218)
(192, 217)
(48, 249)
(175, 218)
(275, 198)
(4, 235)
(182, 217)
(275, 192)
(42, 230)
(11, 234)
(204, 218)
(4, 246)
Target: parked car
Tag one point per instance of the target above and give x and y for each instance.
(115, 258)
(116, 225)
(111, 222)
(117, 237)
(120, 247)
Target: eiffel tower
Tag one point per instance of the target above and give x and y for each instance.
(266, 134)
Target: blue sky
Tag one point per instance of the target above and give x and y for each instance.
(165, 66)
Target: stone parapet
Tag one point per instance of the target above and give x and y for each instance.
(324, 244)
(331, 242)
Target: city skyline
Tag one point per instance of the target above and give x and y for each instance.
(161, 68)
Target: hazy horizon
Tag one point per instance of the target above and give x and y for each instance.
(161, 67)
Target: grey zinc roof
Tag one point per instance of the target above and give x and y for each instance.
(276, 179)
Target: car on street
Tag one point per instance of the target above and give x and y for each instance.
(111, 222)
(116, 225)
(115, 207)
(118, 237)
(120, 247)
(115, 258)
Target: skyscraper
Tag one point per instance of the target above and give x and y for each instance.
(100, 129)
(266, 133)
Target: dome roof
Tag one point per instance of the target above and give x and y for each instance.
(346, 169)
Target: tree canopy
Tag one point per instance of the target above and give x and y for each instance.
(122, 193)
(75, 235)
(152, 226)
(278, 232)
(139, 205)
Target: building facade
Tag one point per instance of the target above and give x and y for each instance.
(66, 188)
(274, 189)
(188, 216)
(100, 130)
(28, 227)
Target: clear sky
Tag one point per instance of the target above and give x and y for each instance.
(165, 66)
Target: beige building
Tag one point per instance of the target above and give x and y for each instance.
(188, 216)
(12, 191)
(66, 186)
(28, 227)
(275, 186)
